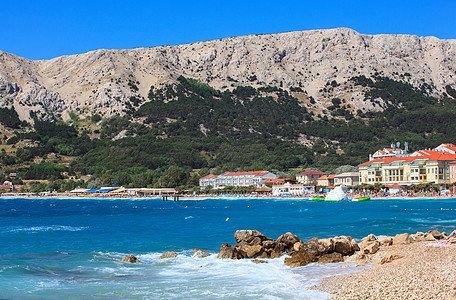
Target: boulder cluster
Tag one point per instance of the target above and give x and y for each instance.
(254, 244)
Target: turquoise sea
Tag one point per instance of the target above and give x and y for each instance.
(70, 248)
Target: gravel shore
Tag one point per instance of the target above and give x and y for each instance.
(422, 271)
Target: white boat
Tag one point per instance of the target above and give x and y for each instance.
(336, 195)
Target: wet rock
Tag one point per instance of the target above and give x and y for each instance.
(259, 261)
(130, 258)
(168, 255)
(228, 251)
(402, 239)
(249, 251)
(314, 248)
(289, 240)
(298, 259)
(277, 251)
(331, 258)
(200, 253)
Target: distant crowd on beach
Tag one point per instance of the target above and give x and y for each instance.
(373, 194)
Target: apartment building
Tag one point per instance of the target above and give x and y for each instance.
(252, 178)
(424, 166)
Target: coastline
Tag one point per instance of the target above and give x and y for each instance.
(420, 271)
(207, 197)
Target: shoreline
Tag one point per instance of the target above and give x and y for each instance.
(200, 198)
(419, 271)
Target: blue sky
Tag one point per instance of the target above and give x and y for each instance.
(47, 29)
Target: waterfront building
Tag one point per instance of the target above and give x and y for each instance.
(394, 151)
(309, 177)
(252, 178)
(394, 188)
(290, 189)
(347, 179)
(423, 166)
(452, 171)
(326, 181)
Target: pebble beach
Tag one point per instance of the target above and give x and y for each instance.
(421, 270)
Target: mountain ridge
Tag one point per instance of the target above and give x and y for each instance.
(102, 81)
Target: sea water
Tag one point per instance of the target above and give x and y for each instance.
(71, 248)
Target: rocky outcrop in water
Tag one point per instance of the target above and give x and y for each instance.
(254, 244)
(130, 258)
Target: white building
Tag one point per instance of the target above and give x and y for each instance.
(252, 178)
(394, 151)
(292, 189)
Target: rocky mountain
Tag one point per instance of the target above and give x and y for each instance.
(103, 81)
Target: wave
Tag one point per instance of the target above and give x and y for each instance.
(34, 229)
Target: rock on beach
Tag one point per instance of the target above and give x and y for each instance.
(406, 269)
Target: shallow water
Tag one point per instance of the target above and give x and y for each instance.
(70, 248)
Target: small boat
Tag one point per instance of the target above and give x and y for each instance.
(360, 199)
(317, 199)
(336, 195)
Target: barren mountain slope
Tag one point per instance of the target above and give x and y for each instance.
(104, 80)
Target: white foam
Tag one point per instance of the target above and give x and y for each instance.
(33, 229)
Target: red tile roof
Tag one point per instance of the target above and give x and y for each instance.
(311, 172)
(430, 156)
(254, 173)
(209, 176)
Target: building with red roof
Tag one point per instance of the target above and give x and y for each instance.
(423, 166)
(452, 171)
(250, 178)
(309, 177)
(326, 180)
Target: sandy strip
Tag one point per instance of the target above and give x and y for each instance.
(423, 272)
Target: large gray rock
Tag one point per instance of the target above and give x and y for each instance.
(402, 239)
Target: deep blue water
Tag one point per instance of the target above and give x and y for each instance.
(54, 248)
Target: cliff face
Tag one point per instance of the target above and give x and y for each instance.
(103, 80)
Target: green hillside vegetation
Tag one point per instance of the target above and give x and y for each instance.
(187, 129)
